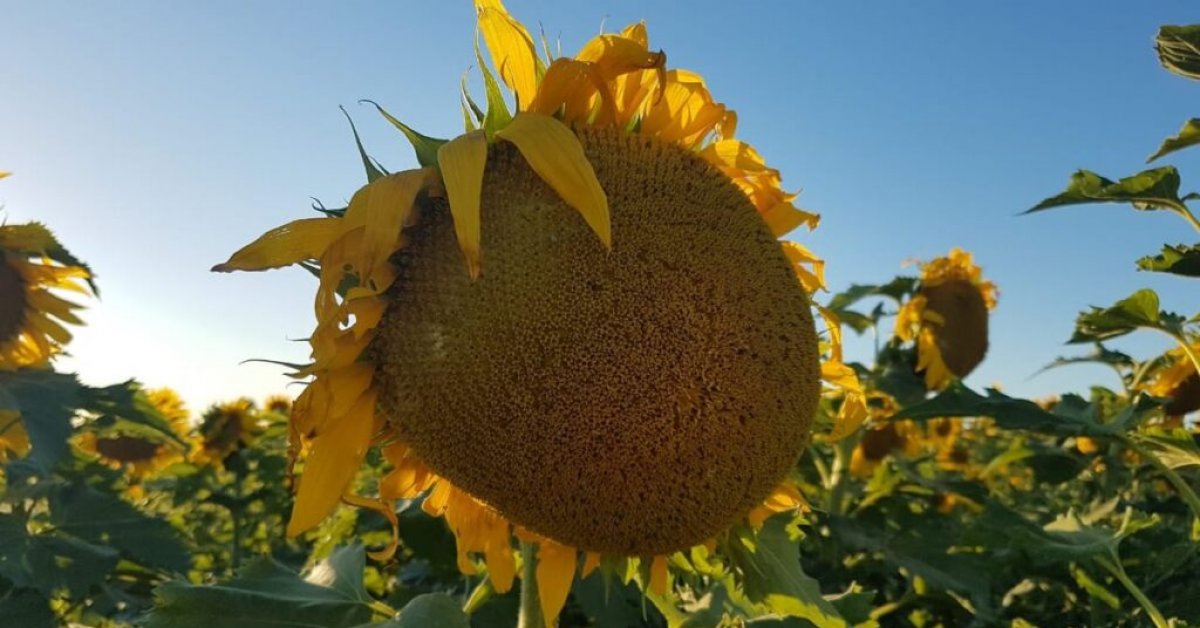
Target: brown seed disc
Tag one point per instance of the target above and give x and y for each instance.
(1185, 398)
(963, 339)
(12, 301)
(633, 401)
(126, 448)
(879, 442)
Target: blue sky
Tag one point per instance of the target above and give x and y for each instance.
(156, 138)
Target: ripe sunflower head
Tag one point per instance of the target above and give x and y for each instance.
(948, 318)
(574, 323)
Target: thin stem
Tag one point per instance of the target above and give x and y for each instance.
(531, 605)
(1187, 214)
(837, 475)
(1181, 485)
(1118, 572)
(1187, 348)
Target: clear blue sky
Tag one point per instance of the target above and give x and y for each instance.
(158, 137)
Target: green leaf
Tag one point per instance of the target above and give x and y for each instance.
(1179, 49)
(424, 146)
(47, 401)
(373, 172)
(1101, 355)
(771, 575)
(342, 571)
(1178, 260)
(127, 405)
(1146, 190)
(895, 289)
(1189, 135)
(1136, 311)
(26, 608)
(1016, 414)
(1175, 448)
(265, 594)
(104, 519)
(431, 609)
(497, 116)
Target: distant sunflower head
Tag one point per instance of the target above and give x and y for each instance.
(279, 404)
(34, 269)
(138, 450)
(224, 428)
(948, 318)
(574, 323)
(1178, 382)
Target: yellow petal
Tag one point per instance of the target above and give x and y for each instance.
(556, 155)
(850, 416)
(658, 575)
(512, 49)
(332, 464)
(381, 208)
(591, 561)
(555, 573)
(613, 55)
(297, 241)
(4, 174)
(498, 553)
(568, 86)
(462, 161)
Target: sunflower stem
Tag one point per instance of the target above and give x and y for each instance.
(1118, 572)
(1185, 490)
(531, 605)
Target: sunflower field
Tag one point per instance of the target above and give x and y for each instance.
(568, 372)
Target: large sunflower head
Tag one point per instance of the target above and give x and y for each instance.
(948, 318)
(34, 267)
(1178, 382)
(574, 323)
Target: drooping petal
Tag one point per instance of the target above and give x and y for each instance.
(591, 561)
(381, 208)
(462, 161)
(556, 155)
(512, 50)
(297, 241)
(334, 460)
(555, 573)
(567, 88)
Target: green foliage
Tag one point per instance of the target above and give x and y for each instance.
(1189, 135)
(1139, 310)
(1146, 190)
(424, 146)
(1179, 259)
(1179, 49)
(267, 593)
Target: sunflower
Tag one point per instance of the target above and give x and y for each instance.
(624, 362)
(948, 318)
(1178, 382)
(32, 265)
(137, 451)
(279, 404)
(880, 441)
(224, 428)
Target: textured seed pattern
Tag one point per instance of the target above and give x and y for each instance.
(963, 339)
(12, 301)
(634, 401)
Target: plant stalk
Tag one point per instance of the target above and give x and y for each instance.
(1118, 572)
(531, 605)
